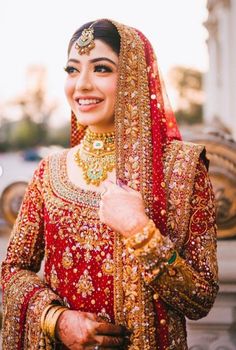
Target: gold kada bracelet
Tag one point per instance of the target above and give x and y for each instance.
(49, 319)
(142, 238)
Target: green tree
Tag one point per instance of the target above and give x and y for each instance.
(35, 111)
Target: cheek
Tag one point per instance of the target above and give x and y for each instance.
(69, 88)
(112, 89)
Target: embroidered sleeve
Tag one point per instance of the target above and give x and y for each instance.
(189, 282)
(24, 294)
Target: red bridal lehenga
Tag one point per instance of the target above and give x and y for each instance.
(87, 266)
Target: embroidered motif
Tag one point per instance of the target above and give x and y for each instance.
(108, 265)
(85, 285)
(54, 278)
(67, 259)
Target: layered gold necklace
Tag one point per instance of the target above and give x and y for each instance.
(96, 156)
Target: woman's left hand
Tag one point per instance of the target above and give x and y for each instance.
(122, 209)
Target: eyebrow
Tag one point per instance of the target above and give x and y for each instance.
(94, 60)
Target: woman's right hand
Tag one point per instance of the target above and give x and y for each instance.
(83, 331)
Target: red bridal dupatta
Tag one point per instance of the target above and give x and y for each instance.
(147, 138)
(145, 123)
(152, 159)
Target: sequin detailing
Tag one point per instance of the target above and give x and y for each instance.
(82, 272)
(85, 284)
(64, 188)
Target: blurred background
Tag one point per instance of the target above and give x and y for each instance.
(195, 43)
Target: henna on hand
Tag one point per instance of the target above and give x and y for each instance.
(80, 330)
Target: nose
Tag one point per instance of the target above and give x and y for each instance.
(84, 81)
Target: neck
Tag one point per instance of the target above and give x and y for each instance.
(101, 130)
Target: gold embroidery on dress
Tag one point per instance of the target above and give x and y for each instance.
(54, 278)
(180, 167)
(67, 259)
(104, 315)
(108, 265)
(85, 285)
(133, 115)
(64, 188)
(87, 256)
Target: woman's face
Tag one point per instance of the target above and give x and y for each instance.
(91, 86)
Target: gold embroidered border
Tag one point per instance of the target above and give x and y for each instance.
(15, 292)
(63, 188)
(134, 164)
(177, 332)
(181, 159)
(37, 304)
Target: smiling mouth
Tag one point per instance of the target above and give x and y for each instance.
(87, 102)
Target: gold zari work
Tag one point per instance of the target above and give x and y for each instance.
(131, 287)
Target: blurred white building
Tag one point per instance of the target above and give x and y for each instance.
(221, 78)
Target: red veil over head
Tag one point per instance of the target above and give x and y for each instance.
(144, 125)
(144, 122)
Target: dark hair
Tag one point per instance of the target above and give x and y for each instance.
(104, 30)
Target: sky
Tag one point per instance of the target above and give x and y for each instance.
(37, 32)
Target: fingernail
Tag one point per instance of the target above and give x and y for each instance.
(120, 182)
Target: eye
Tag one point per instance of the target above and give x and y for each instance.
(102, 68)
(70, 69)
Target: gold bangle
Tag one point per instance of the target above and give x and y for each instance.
(44, 314)
(140, 239)
(51, 320)
(151, 247)
(48, 318)
(54, 322)
(56, 319)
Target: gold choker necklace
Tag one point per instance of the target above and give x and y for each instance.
(96, 156)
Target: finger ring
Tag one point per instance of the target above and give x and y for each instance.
(96, 347)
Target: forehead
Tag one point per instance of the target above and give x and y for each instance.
(101, 49)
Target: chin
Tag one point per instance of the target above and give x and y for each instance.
(84, 122)
(91, 121)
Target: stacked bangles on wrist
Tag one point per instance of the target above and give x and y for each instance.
(49, 319)
(154, 251)
(149, 242)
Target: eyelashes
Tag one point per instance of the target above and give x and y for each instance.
(102, 68)
(69, 69)
(98, 68)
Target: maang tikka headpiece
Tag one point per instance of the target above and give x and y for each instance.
(85, 43)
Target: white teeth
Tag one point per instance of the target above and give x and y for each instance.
(87, 101)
